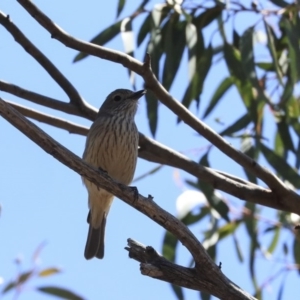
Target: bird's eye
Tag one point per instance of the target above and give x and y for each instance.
(117, 98)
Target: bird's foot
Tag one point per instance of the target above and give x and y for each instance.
(135, 192)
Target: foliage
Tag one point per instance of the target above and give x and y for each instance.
(263, 63)
(23, 278)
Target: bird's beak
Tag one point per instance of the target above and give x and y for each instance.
(137, 95)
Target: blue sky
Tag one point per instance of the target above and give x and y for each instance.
(44, 202)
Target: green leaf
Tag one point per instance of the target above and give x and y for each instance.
(228, 229)
(174, 44)
(169, 246)
(208, 16)
(251, 228)
(247, 56)
(284, 132)
(240, 124)
(280, 3)
(236, 39)
(144, 29)
(59, 292)
(296, 252)
(151, 172)
(233, 60)
(190, 218)
(275, 240)
(278, 145)
(195, 87)
(281, 289)
(121, 5)
(248, 148)
(287, 92)
(20, 280)
(294, 52)
(169, 252)
(281, 166)
(266, 66)
(128, 43)
(271, 46)
(152, 111)
(49, 272)
(205, 296)
(238, 248)
(297, 163)
(102, 38)
(219, 92)
(195, 45)
(178, 291)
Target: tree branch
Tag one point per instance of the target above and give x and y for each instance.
(50, 120)
(49, 67)
(156, 266)
(46, 101)
(282, 192)
(158, 153)
(207, 270)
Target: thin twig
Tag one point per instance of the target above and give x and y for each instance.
(46, 101)
(50, 120)
(41, 58)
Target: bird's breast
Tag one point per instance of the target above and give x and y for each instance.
(113, 146)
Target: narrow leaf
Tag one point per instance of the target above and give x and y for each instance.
(144, 29)
(296, 252)
(219, 92)
(174, 44)
(190, 218)
(294, 51)
(195, 87)
(280, 3)
(102, 38)
(151, 172)
(59, 292)
(240, 124)
(152, 111)
(275, 240)
(20, 280)
(248, 148)
(128, 43)
(266, 66)
(208, 16)
(121, 5)
(191, 38)
(49, 272)
(238, 248)
(284, 132)
(281, 166)
(271, 46)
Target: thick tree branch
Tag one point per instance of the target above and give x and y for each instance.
(283, 193)
(214, 279)
(159, 153)
(41, 58)
(156, 266)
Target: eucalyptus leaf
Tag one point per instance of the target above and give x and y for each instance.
(281, 166)
(102, 38)
(59, 292)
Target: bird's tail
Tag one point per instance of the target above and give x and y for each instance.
(95, 240)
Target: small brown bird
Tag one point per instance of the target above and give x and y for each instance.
(112, 145)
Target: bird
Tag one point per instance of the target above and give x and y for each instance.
(112, 146)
